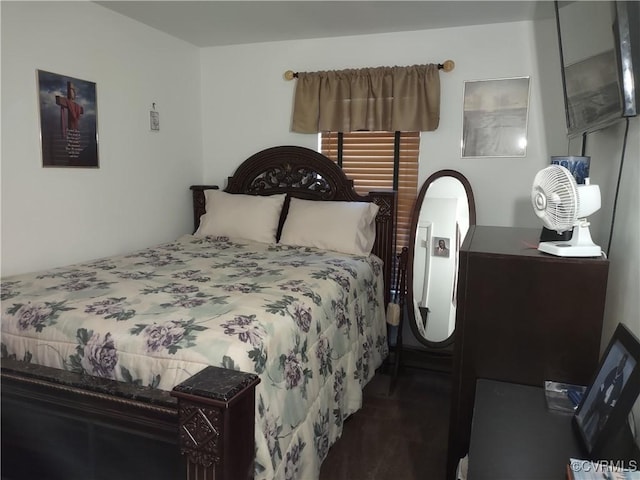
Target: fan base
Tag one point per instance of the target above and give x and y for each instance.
(566, 249)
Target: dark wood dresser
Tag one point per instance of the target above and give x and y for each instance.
(523, 317)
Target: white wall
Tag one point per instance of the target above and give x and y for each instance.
(623, 301)
(247, 103)
(140, 194)
(605, 149)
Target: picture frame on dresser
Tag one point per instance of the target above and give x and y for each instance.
(608, 400)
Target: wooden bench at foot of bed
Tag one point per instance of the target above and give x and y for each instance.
(63, 425)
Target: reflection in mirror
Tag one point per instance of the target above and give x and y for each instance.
(444, 210)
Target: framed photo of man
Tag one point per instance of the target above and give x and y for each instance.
(441, 246)
(68, 121)
(610, 397)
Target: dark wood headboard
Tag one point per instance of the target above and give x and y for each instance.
(304, 173)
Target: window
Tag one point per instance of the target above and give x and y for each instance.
(369, 158)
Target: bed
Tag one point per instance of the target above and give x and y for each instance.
(244, 353)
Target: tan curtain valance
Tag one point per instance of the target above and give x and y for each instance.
(376, 99)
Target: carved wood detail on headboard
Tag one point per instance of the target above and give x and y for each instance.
(307, 174)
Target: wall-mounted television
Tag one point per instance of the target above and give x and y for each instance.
(600, 56)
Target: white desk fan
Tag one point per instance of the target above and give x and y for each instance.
(563, 205)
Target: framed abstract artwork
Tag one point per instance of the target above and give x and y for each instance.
(494, 121)
(68, 121)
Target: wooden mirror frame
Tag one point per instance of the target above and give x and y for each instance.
(415, 217)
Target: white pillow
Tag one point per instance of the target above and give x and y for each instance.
(247, 217)
(347, 227)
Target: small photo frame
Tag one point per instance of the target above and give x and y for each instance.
(494, 119)
(441, 247)
(610, 397)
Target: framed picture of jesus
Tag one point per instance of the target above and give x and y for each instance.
(68, 121)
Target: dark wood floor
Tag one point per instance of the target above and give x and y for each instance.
(402, 436)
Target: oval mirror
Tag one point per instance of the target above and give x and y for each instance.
(444, 209)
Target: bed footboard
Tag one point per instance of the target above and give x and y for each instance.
(216, 410)
(60, 425)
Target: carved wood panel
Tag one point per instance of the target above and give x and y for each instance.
(200, 431)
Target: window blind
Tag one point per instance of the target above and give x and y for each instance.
(368, 159)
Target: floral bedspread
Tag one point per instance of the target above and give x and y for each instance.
(309, 322)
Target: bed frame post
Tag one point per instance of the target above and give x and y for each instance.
(384, 246)
(216, 423)
(199, 202)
